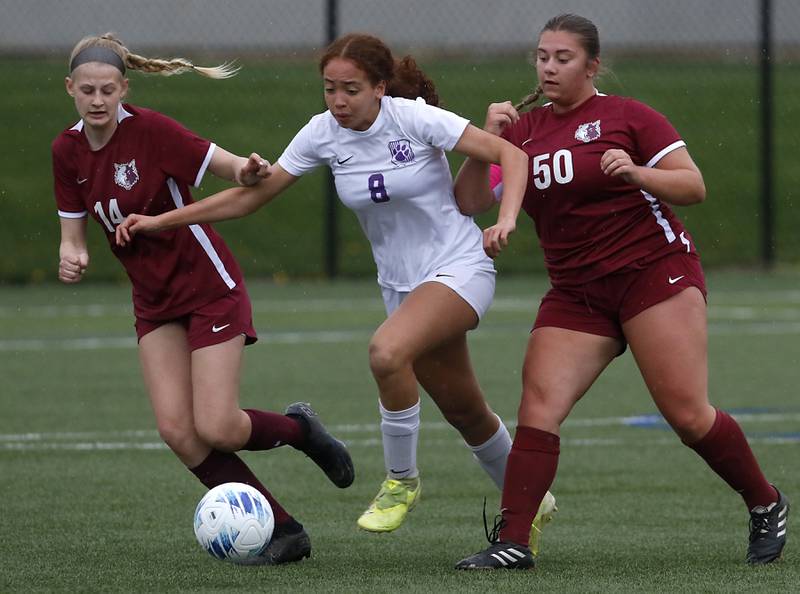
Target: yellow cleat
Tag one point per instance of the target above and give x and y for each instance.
(546, 510)
(390, 506)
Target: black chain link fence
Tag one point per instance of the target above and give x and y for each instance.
(697, 62)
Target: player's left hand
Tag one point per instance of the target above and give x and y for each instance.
(253, 171)
(495, 238)
(616, 162)
(499, 116)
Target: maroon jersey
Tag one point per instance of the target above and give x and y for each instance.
(146, 168)
(590, 224)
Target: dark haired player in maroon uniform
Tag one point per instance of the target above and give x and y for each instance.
(193, 314)
(623, 271)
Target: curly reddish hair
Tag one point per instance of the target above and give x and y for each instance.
(403, 77)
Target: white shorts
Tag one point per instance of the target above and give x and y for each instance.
(473, 284)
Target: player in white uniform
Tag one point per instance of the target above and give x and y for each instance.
(396, 179)
(387, 156)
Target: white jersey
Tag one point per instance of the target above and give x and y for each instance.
(396, 178)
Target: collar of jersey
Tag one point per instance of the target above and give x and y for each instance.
(578, 109)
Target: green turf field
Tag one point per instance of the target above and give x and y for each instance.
(94, 503)
(714, 105)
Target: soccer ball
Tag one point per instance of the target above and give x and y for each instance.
(234, 522)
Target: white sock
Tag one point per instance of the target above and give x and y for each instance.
(400, 431)
(492, 455)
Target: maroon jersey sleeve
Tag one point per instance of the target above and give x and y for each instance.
(182, 154)
(65, 180)
(653, 135)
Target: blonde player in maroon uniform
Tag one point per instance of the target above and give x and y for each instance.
(623, 271)
(193, 314)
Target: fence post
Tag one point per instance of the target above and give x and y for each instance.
(330, 243)
(767, 206)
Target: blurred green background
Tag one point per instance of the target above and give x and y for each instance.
(713, 104)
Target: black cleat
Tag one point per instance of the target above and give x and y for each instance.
(324, 449)
(499, 555)
(768, 531)
(290, 543)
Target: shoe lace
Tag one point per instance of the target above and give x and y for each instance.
(499, 523)
(392, 492)
(759, 525)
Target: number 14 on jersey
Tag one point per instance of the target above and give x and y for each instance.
(114, 214)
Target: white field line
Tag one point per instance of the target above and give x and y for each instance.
(129, 342)
(360, 443)
(124, 440)
(735, 306)
(773, 328)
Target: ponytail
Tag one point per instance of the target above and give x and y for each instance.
(411, 82)
(529, 99)
(149, 65)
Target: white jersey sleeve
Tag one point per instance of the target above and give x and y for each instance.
(437, 127)
(302, 155)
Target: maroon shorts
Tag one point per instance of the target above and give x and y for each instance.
(601, 306)
(214, 323)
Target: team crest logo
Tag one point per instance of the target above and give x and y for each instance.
(400, 151)
(125, 174)
(588, 132)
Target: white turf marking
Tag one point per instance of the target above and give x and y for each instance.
(94, 343)
(129, 342)
(731, 310)
(374, 428)
(110, 440)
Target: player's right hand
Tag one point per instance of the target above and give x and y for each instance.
(131, 225)
(500, 115)
(495, 238)
(71, 267)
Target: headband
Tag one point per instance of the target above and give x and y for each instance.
(96, 53)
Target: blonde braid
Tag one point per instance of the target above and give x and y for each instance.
(178, 66)
(529, 99)
(153, 65)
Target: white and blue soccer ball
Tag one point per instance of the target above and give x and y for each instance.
(234, 522)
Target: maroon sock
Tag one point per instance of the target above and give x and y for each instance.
(530, 471)
(222, 467)
(271, 430)
(726, 451)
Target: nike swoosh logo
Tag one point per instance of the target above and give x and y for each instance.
(343, 161)
(393, 471)
(80, 181)
(450, 275)
(216, 328)
(524, 142)
(672, 281)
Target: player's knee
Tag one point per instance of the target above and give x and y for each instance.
(179, 437)
(690, 423)
(543, 404)
(219, 434)
(535, 396)
(384, 358)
